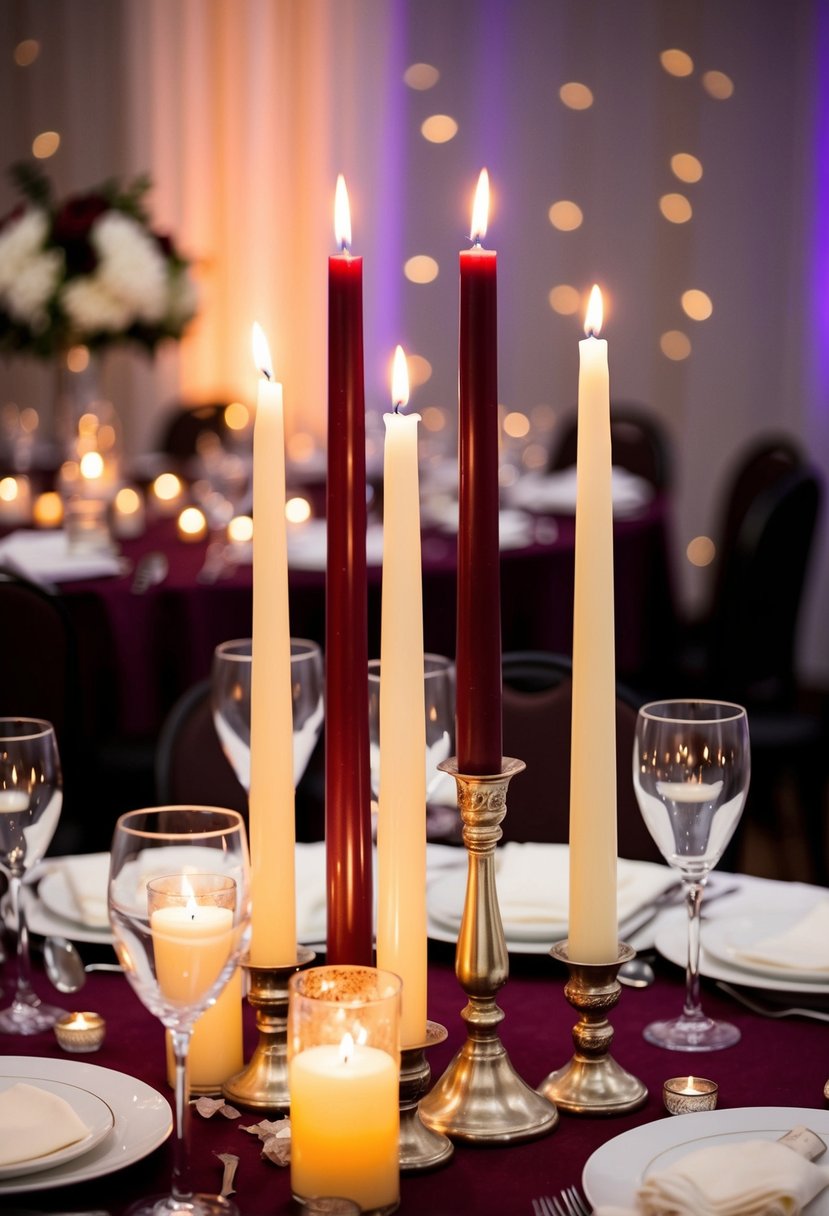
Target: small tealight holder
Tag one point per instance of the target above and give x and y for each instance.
(343, 1077)
(86, 522)
(80, 1032)
(687, 1095)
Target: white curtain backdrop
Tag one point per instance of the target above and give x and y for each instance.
(244, 111)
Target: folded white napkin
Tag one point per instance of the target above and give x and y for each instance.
(34, 1122)
(753, 1178)
(802, 947)
(87, 877)
(308, 545)
(557, 491)
(45, 557)
(533, 882)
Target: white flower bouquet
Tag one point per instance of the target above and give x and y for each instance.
(88, 270)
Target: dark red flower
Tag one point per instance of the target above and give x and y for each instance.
(71, 229)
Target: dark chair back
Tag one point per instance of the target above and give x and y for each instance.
(638, 440)
(186, 423)
(537, 708)
(190, 766)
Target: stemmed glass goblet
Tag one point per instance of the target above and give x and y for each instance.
(691, 770)
(230, 695)
(439, 694)
(179, 907)
(31, 796)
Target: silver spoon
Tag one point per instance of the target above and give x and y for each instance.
(638, 973)
(65, 967)
(152, 568)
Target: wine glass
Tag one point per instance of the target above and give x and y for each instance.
(230, 694)
(31, 797)
(439, 700)
(179, 907)
(691, 769)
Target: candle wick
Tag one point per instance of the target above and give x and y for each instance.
(265, 373)
(397, 405)
(344, 247)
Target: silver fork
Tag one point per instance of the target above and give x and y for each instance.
(570, 1202)
(770, 1011)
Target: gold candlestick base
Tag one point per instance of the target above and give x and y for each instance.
(263, 1082)
(592, 1083)
(480, 1097)
(421, 1147)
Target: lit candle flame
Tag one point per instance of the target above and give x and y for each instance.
(346, 1047)
(399, 379)
(480, 208)
(342, 215)
(262, 352)
(594, 317)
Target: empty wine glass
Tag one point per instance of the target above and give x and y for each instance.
(691, 769)
(439, 693)
(230, 695)
(31, 797)
(179, 907)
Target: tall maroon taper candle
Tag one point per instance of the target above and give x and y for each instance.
(478, 654)
(347, 784)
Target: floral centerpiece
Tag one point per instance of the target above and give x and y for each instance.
(88, 270)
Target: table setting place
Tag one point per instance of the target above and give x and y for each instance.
(380, 1021)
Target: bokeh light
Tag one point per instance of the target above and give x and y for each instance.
(676, 62)
(686, 167)
(26, 52)
(45, 145)
(576, 96)
(77, 358)
(420, 370)
(433, 418)
(297, 510)
(675, 345)
(696, 304)
(565, 299)
(701, 551)
(516, 424)
(421, 269)
(565, 215)
(718, 85)
(421, 76)
(676, 208)
(237, 416)
(439, 128)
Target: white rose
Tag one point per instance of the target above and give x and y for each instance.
(91, 307)
(37, 280)
(20, 240)
(131, 266)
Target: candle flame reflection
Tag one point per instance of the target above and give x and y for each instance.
(594, 317)
(346, 1048)
(480, 208)
(261, 351)
(399, 379)
(342, 215)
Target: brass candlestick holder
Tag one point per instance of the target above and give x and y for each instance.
(592, 1083)
(263, 1082)
(480, 1097)
(421, 1147)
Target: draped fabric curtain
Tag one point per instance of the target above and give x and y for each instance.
(244, 111)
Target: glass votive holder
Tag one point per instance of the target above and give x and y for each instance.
(86, 522)
(343, 1081)
(80, 1032)
(686, 1095)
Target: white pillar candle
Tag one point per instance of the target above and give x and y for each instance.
(271, 796)
(345, 1124)
(401, 823)
(593, 929)
(191, 945)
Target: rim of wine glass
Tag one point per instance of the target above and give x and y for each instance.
(307, 646)
(646, 711)
(447, 665)
(234, 819)
(46, 728)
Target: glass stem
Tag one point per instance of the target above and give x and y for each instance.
(693, 901)
(24, 993)
(182, 1187)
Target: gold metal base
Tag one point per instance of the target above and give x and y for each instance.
(263, 1082)
(421, 1148)
(592, 1083)
(480, 1097)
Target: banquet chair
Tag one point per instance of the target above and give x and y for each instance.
(40, 677)
(190, 766)
(537, 709)
(185, 423)
(638, 440)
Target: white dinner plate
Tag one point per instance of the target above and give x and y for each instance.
(672, 944)
(725, 937)
(56, 893)
(143, 1120)
(91, 1109)
(445, 899)
(617, 1169)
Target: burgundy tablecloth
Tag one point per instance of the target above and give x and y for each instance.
(139, 653)
(777, 1063)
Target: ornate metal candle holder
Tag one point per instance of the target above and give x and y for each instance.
(592, 1083)
(421, 1147)
(263, 1082)
(480, 1097)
